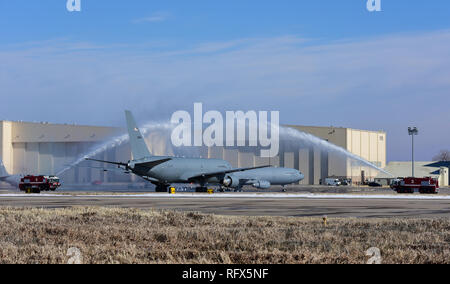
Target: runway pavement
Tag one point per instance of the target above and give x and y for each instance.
(299, 205)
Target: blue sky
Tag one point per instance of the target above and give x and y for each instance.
(199, 20)
(318, 62)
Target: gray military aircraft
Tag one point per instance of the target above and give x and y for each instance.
(13, 180)
(164, 170)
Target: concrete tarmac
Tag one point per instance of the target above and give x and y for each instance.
(250, 205)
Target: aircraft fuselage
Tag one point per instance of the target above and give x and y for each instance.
(179, 170)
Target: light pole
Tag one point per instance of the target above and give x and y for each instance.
(413, 131)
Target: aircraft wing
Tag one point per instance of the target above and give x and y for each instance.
(220, 173)
(152, 164)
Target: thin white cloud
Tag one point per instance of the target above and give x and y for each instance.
(209, 48)
(154, 18)
(365, 83)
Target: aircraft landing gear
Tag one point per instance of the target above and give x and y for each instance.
(201, 189)
(161, 188)
(284, 189)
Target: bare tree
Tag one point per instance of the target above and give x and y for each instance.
(444, 155)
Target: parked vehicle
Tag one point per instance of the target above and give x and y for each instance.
(410, 185)
(36, 184)
(332, 182)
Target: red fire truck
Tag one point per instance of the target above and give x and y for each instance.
(410, 185)
(36, 184)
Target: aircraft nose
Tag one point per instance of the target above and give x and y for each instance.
(296, 175)
(300, 176)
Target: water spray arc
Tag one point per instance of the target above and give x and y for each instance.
(308, 140)
(116, 142)
(296, 137)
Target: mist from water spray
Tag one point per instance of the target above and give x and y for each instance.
(296, 138)
(116, 142)
(308, 140)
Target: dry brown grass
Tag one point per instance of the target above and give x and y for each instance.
(110, 235)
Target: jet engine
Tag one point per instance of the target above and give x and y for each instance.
(230, 181)
(261, 184)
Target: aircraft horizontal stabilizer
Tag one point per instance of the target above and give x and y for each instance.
(140, 166)
(119, 170)
(108, 162)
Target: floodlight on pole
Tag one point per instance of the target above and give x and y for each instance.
(413, 131)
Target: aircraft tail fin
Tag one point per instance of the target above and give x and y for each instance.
(3, 171)
(138, 147)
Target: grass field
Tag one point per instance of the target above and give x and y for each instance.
(110, 235)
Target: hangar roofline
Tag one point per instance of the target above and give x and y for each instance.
(60, 124)
(334, 127)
